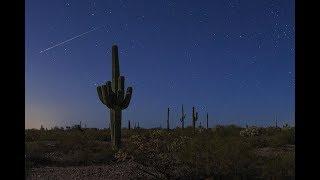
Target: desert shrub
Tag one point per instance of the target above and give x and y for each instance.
(95, 135)
(282, 165)
(270, 131)
(230, 130)
(252, 132)
(215, 154)
(28, 168)
(71, 147)
(285, 136)
(258, 142)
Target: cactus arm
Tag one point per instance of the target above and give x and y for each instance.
(121, 83)
(120, 92)
(110, 94)
(127, 98)
(108, 84)
(107, 96)
(99, 90)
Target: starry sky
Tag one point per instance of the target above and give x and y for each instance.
(234, 59)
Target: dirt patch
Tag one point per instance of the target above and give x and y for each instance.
(270, 152)
(121, 170)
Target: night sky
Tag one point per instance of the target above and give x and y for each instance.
(231, 58)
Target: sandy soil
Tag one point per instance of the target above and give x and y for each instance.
(116, 171)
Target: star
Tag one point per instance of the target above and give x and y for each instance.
(108, 11)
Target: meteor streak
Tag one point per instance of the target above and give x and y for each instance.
(69, 40)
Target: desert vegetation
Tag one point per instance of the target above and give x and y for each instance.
(222, 151)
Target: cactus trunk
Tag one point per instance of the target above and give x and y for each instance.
(116, 128)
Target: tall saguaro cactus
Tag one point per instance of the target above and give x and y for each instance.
(183, 116)
(194, 119)
(112, 95)
(168, 115)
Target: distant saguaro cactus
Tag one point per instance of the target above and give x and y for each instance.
(194, 119)
(168, 114)
(183, 116)
(112, 95)
(207, 121)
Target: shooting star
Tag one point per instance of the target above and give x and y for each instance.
(69, 39)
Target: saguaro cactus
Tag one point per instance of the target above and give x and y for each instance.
(207, 121)
(129, 125)
(183, 116)
(168, 114)
(112, 95)
(194, 119)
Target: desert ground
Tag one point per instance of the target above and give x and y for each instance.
(222, 152)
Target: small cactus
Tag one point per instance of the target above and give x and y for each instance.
(183, 116)
(129, 125)
(168, 114)
(194, 119)
(207, 121)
